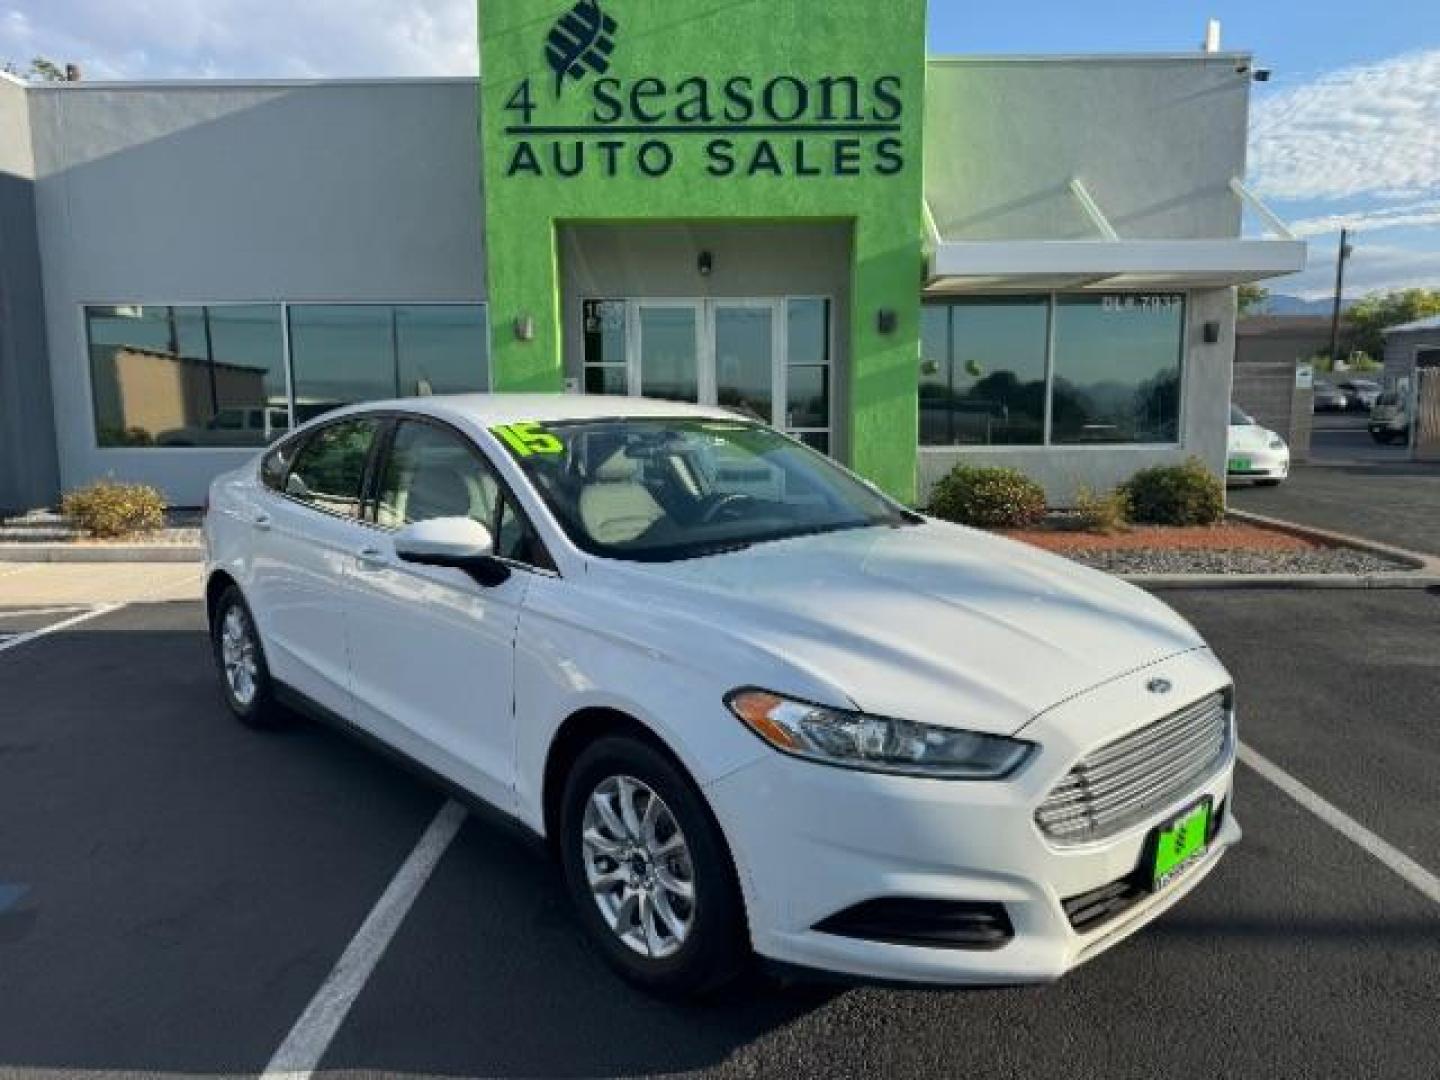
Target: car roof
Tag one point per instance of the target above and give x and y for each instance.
(488, 410)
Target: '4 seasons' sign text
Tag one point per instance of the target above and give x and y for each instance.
(737, 126)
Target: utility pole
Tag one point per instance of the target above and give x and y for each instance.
(1343, 254)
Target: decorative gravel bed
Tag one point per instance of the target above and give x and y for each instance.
(47, 527)
(1200, 561)
(1232, 547)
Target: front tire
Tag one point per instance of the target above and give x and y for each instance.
(649, 872)
(240, 659)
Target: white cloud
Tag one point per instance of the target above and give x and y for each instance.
(244, 38)
(1371, 130)
(1372, 268)
(1388, 216)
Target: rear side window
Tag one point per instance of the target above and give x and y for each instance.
(329, 472)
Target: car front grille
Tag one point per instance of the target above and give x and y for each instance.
(1131, 778)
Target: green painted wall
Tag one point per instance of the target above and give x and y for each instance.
(832, 132)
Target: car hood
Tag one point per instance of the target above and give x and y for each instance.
(1250, 437)
(931, 622)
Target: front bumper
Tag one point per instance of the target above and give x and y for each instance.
(1264, 464)
(813, 840)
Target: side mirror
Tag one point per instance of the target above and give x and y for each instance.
(459, 543)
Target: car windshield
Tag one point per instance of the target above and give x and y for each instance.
(657, 490)
(1239, 416)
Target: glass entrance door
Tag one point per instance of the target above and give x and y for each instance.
(769, 358)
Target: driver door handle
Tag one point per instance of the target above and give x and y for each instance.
(262, 521)
(371, 558)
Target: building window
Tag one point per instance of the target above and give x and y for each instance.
(216, 375)
(982, 380)
(347, 353)
(211, 376)
(1114, 364)
(808, 371)
(606, 360)
(1117, 369)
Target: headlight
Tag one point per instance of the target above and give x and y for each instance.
(875, 743)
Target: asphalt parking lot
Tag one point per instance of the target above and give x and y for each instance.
(1396, 503)
(174, 890)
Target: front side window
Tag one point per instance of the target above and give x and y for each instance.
(660, 490)
(1117, 368)
(432, 472)
(329, 471)
(186, 376)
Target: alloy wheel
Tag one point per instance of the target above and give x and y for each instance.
(238, 655)
(638, 866)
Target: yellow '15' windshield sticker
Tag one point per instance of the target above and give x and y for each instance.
(528, 437)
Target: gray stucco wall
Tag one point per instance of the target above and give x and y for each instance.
(28, 469)
(1204, 420)
(1400, 350)
(1156, 141)
(349, 191)
(653, 261)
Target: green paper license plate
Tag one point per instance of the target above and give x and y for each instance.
(1180, 844)
(1239, 464)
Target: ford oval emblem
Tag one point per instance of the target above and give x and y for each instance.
(1159, 686)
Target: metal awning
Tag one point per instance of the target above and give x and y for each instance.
(1110, 261)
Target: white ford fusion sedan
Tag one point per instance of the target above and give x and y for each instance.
(753, 705)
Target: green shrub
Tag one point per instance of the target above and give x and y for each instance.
(1102, 512)
(1188, 494)
(988, 497)
(107, 510)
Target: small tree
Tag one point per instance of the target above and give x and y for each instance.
(1251, 299)
(41, 69)
(1373, 314)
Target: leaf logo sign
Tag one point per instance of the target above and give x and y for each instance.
(582, 39)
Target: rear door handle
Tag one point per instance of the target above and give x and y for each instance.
(372, 558)
(262, 522)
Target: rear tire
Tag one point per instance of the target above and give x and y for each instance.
(649, 872)
(240, 660)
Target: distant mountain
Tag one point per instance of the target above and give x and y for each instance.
(1279, 304)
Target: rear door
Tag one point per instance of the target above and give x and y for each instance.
(432, 650)
(305, 539)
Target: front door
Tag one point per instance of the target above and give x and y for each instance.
(432, 651)
(767, 357)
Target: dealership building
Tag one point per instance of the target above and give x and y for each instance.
(907, 262)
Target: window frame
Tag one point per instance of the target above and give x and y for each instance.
(303, 439)
(286, 355)
(1048, 442)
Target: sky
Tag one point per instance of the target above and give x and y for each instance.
(1345, 133)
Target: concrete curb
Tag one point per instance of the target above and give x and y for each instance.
(1289, 582)
(101, 553)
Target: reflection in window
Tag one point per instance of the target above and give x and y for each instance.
(982, 376)
(187, 376)
(606, 370)
(1117, 368)
(346, 353)
(744, 360)
(329, 470)
(669, 353)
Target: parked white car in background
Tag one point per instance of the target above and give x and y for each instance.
(751, 703)
(1254, 452)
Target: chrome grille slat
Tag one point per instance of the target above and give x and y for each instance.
(1203, 741)
(1129, 778)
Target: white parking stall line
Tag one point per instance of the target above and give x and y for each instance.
(1407, 868)
(63, 624)
(301, 1052)
(34, 612)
